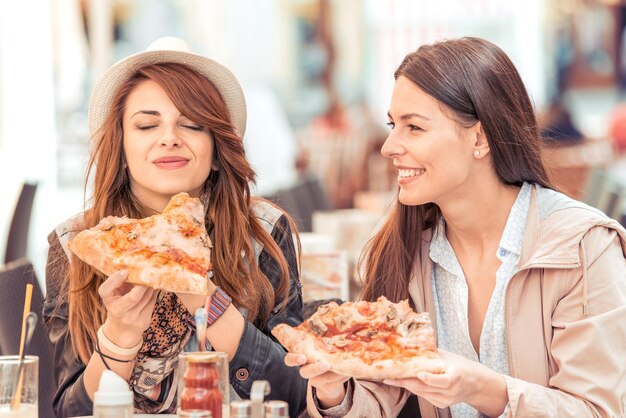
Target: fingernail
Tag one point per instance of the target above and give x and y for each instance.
(301, 359)
(324, 366)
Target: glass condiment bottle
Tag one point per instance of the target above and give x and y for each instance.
(201, 386)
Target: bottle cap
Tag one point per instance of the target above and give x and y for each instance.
(240, 409)
(112, 390)
(276, 409)
(194, 414)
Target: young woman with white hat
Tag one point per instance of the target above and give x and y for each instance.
(166, 121)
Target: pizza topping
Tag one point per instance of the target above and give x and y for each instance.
(353, 331)
(378, 345)
(372, 328)
(365, 309)
(391, 315)
(324, 309)
(341, 343)
(316, 326)
(342, 321)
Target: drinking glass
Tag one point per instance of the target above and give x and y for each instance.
(28, 404)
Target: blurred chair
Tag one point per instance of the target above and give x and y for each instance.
(614, 202)
(317, 193)
(13, 279)
(299, 203)
(569, 165)
(17, 239)
(301, 200)
(596, 187)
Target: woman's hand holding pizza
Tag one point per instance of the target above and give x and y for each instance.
(464, 381)
(129, 309)
(330, 387)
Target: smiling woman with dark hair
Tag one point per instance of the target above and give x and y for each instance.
(526, 288)
(162, 122)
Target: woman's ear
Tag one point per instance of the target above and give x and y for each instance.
(479, 141)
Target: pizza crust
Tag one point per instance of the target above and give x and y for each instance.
(84, 246)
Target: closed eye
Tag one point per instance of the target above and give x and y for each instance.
(145, 127)
(196, 128)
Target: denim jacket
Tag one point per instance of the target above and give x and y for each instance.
(258, 357)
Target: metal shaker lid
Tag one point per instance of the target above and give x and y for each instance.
(276, 409)
(240, 409)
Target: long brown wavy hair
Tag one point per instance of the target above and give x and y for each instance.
(229, 212)
(476, 81)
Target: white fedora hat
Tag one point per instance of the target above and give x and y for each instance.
(168, 49)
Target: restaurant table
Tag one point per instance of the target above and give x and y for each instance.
(140, 416)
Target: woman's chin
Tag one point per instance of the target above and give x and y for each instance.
(178, 188)
(412, 199)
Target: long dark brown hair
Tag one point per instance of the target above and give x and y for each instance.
(229, 212)
(476, 81)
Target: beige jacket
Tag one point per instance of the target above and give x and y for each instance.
(565, 316)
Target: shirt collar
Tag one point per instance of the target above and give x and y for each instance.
(511, 241)
(441, 252)
(513, 235)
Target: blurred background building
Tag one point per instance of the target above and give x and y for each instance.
(318, 76)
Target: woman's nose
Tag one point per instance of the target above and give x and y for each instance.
(170, 138)
(391, 148)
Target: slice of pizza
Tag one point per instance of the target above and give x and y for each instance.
(169, 251)
(368, 340)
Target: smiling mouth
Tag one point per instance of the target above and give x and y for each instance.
(404, 173)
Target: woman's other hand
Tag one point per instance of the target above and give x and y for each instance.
(330, 387)
(129, 309)
(464, 381)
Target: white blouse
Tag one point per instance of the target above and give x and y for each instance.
(451, 293)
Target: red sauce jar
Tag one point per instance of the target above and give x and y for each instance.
(201, 384)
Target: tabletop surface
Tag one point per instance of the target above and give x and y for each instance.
(139, 416)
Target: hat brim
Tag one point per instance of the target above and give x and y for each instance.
(112, 79)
